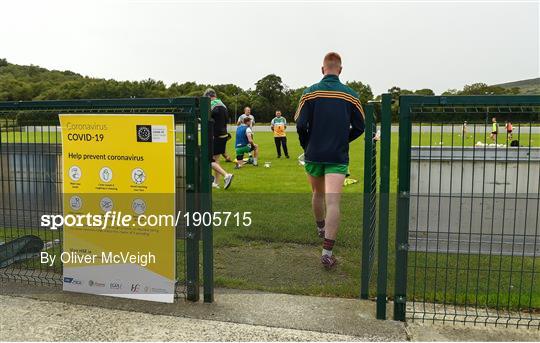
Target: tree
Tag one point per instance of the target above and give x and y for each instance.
(452, 91)
(270, 87)
(270, 95)
(364, 91)
(482, 89)
(424, 91)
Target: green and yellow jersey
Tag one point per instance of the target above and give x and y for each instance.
(278, 125)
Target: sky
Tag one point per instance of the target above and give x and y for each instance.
(410, 44)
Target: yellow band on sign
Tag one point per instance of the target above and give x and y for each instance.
(119, 205)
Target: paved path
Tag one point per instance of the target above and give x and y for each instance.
(35, 320)
(39, 313)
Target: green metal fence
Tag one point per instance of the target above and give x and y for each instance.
(376, 172)
(370, 201)
(467, 227)
(31, 183)
(384, 204)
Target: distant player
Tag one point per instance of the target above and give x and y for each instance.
(328, 118)
(464, 129)
(220, 116)
(245, 144)
(494, 129)
(509, 128)
(247, 113)
(278, 126)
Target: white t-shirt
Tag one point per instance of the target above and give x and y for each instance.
(241, 120)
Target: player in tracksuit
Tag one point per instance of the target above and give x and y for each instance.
(328, 118)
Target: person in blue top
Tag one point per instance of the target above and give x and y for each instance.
(244, 143)
(328, 118)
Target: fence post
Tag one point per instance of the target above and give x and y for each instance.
(384, 205)
(402, 220)
(206, 200)
(369, 187)
(192, 232)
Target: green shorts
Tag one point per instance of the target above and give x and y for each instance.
(240, 151)
(319, 169)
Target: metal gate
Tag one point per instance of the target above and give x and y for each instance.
(31, 182)
(369, 201)
(375, 243)
(467, 229)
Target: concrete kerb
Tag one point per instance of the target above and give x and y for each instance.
(349, 317)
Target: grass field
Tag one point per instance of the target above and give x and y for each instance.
(280, 251)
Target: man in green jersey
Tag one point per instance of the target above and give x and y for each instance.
(278, 126)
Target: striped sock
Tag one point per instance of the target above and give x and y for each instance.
(328, 245)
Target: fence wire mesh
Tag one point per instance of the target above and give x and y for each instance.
(31, 180)
(474, 203)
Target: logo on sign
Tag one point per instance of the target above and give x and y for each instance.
(71, 280)
(144, 133)
(115, 285)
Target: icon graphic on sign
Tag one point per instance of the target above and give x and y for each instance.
(75, 173)
(138, 206)
(105, 174)
(144, 133)
(106, 204)
(138, 176)
(75, 202)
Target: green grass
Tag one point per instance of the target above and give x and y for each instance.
(31, 137)
(279, 251)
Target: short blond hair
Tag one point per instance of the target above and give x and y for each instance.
(332, 60)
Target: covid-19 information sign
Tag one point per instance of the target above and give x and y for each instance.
(119, 205)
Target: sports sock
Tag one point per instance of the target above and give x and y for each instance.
(320, 224)
(328, 245)
(254, 160)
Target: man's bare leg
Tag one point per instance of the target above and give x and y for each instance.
(218, 170)
(317, 202)
(334, 186)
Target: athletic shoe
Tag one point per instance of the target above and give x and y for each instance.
(215, 185)
(328, 262)
(287, 156)
(237, 167)
(255, 164)
(279, 156)
(320, 232)
(228, 180)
